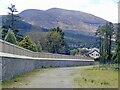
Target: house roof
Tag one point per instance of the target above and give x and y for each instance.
(93, 51)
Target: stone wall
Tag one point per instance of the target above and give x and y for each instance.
(12, 66)
(15, 60)
(7, 47)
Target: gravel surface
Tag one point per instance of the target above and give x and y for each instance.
(51, 78)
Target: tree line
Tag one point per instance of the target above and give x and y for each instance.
(109, 52)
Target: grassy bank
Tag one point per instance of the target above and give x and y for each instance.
(96, 78)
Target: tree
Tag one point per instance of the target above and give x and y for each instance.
(83, 51)
(4, 32)
(12, 18)
(73, 52)
(10, 22)
(118, 44)
(39, 47)
(116, 55)
(105, 35)
(56, 42)
(39, 38)
(28, 44)
(10, 37)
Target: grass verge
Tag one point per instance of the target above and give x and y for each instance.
(20, 79)
(96, 78)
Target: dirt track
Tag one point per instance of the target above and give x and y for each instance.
(50, 78)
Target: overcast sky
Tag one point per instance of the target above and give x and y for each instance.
(106, 9)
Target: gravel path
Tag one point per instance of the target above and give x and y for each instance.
(52, 78)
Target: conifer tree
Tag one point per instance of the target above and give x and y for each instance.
(28, 44)
(10, 37)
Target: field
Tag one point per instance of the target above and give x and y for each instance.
(96, 78)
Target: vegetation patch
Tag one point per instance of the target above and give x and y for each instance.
(96, 78)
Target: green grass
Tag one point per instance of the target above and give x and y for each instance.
(96, 78)
(115, 67)
(20, 78)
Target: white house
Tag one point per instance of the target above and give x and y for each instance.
(94, 54)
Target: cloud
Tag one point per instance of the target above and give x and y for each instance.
(106, 9)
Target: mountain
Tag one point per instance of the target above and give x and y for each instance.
(65, 19)
(79, 27)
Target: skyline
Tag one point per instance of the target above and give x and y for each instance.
(100, 8)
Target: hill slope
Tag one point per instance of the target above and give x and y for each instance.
(79, 27)
(65, 19)
(21, 25)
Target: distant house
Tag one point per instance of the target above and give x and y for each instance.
(94, 54)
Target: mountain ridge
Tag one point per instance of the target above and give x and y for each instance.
(79, 27)
(65, 19)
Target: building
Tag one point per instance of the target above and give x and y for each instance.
(94, 53)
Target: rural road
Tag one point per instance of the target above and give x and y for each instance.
(52, 78)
